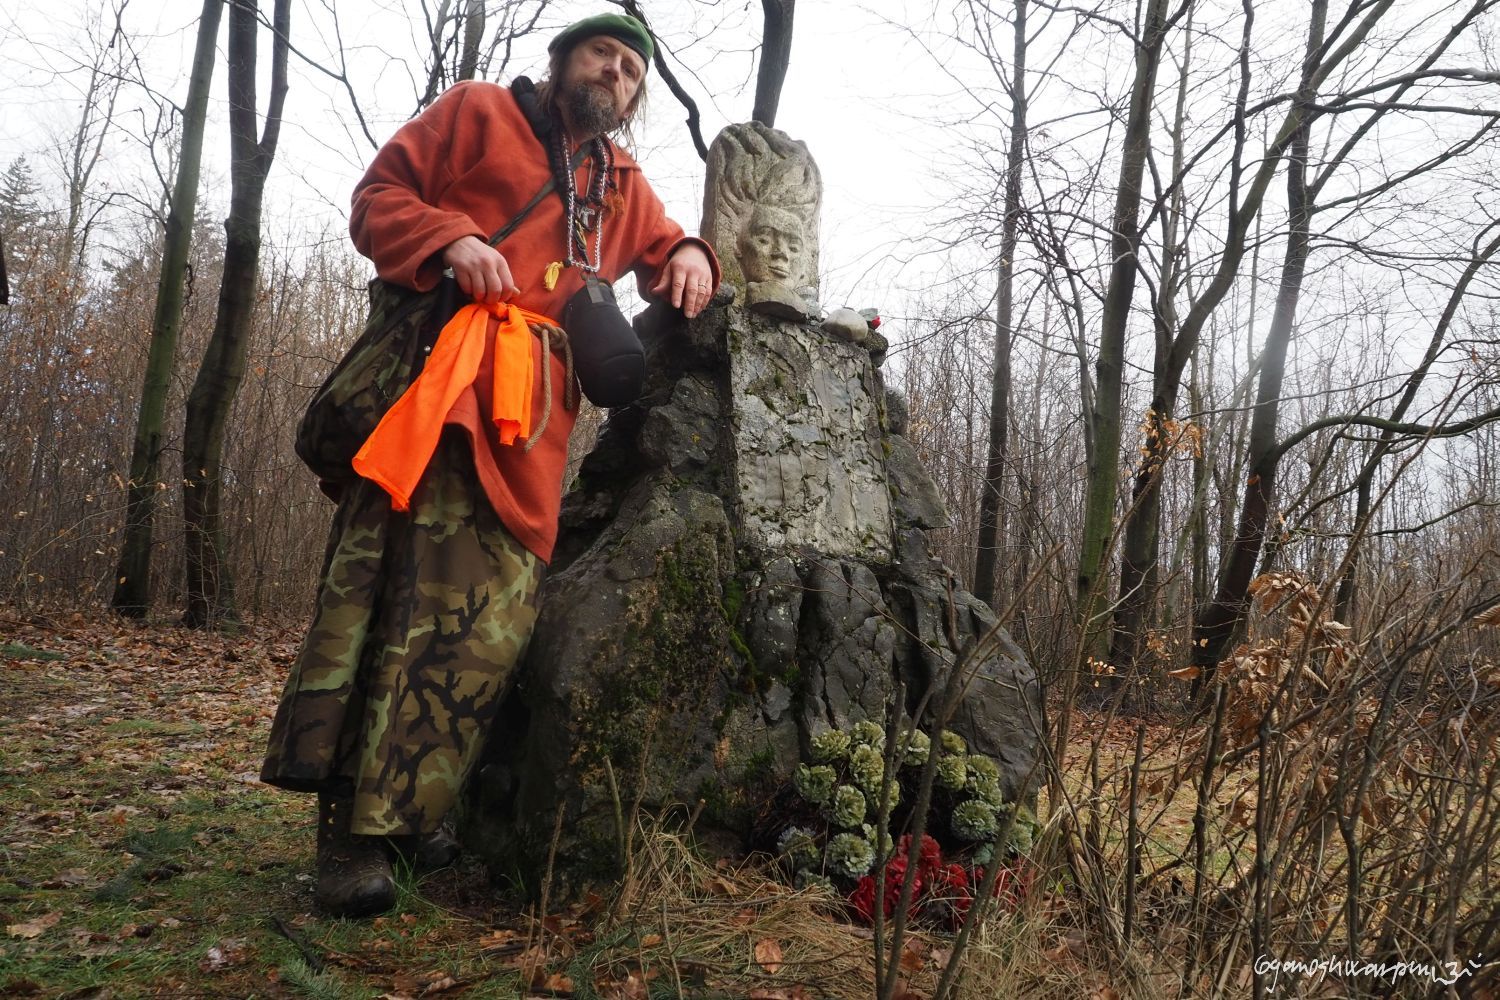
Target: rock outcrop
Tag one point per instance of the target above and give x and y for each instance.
(743, 563)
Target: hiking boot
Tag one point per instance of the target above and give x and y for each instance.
(354, 872)
(427, 852)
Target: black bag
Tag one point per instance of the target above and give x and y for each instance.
(382, 364)
(607, 354)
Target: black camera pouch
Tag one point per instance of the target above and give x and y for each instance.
(607, 354)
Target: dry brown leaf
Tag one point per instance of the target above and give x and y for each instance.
(905, 992)
(555, 983)
(911, 957)
(500, 939)
(768, 955)
(633, 987)
(651, 940)
(33, 928)
(532, 958)
(1185, 673)
(1105, 993)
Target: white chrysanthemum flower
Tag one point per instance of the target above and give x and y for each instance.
(917, 746)
(798, 846)
(867, 767)
(869, 733)
(952, 772)
(808, 879)
(850, 855)
(830, 747)
(847, 807)
(952, 742)
(815, 784)
(974, 820)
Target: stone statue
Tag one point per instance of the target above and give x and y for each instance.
(743, 563)
(761, 213)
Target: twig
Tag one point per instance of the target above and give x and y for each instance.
(551, 859)
(310, 956)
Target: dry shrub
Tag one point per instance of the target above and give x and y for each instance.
(1340, 800)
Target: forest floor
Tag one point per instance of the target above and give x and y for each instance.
(141, 857)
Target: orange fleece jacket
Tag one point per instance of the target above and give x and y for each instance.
(465, 167)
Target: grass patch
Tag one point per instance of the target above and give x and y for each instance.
(152, 727)
(21, 651)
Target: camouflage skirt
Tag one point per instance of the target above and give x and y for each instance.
(421, 619)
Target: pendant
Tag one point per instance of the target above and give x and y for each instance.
(586, 216)
(550, 276)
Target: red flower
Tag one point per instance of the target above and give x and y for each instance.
(929, 858)
(949, 896)
(862, 899)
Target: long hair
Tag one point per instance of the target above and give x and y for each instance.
(547, 97)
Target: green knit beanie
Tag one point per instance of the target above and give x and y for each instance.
(621, 26)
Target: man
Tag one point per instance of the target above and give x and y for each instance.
(424, 613)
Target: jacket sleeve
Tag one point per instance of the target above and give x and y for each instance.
(662, 239)
(394, 219)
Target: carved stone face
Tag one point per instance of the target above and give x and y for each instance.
(771, 245)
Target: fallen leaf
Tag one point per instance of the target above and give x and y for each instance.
(768, 955)
(911, 957)
(1105, 993)
(651, 940)
(532, 958)
(501, 939)
(632, 987)
(33, 928)
(228, 952)
(556, 983)
(905, 992)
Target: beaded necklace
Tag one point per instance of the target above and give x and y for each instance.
(581, 219)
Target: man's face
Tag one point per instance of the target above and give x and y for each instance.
(600, 81)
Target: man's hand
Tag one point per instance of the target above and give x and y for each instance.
(688, 278)
(481, 270)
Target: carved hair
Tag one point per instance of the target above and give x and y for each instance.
(750, 166)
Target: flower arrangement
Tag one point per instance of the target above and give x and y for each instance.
(833, 800)
(941, 893)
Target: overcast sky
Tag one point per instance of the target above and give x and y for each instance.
(862, 92)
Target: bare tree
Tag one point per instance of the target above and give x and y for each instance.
(775, 58)
(132, 595)
(992, 495)
(209, 593)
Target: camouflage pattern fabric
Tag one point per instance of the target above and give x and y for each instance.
(372, 375)
(420, 622)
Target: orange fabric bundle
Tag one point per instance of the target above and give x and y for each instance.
(397, 452)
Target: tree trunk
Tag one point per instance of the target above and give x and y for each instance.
(775, 57)
(991, 497)
(210, 594)
(1140, 547)
(468, 63)
(1215, 626)
(1104, 473)
(132, 592)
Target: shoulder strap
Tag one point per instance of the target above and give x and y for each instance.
(525, 94)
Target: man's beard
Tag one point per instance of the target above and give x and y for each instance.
(591, 108)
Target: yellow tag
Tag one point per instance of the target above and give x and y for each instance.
(549, 279)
